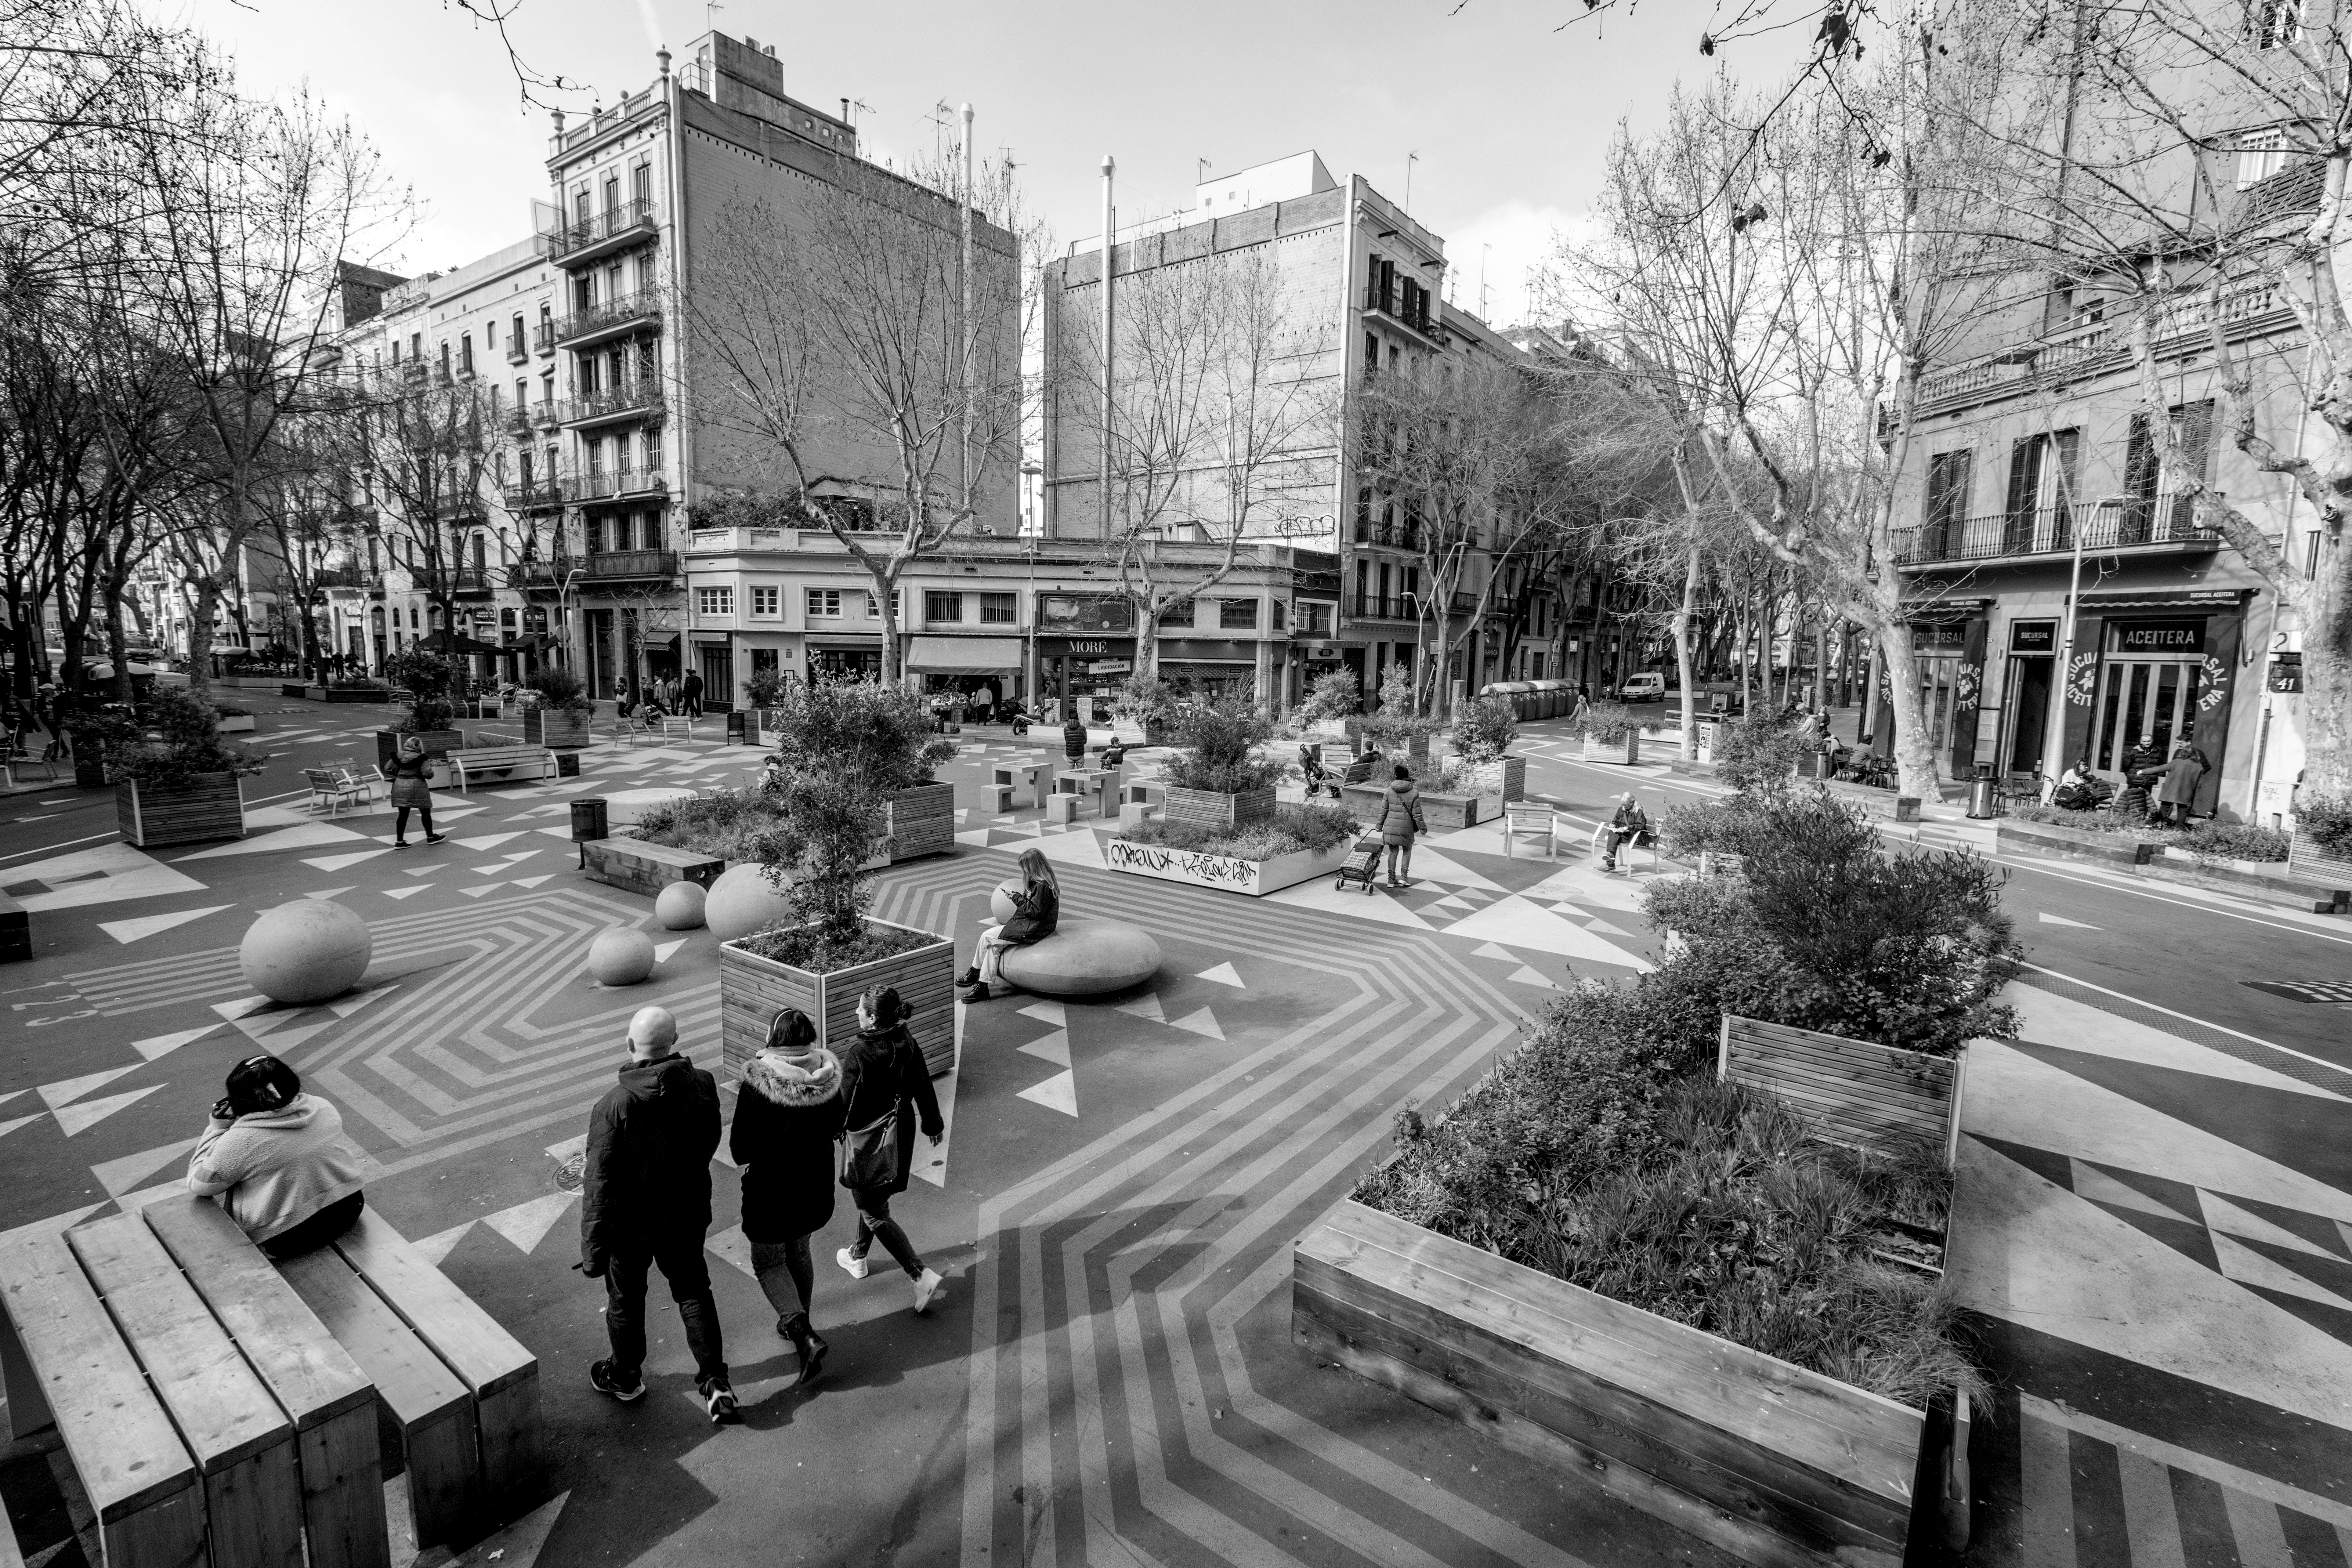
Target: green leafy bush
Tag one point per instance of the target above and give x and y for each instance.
(1484, 728)
(430, 679)
(1756, 751)
(1295, 827)
(1216, 737)
(2327, 818)
(1399, 726)
(2081, 821)
(1608, 723)
(726, 823)
(560, 688)
(188, 745)
(1335, 694)
(2211, 841)
(766, 687)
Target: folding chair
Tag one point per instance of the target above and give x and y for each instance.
(332, 788)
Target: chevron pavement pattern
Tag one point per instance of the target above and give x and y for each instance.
(1113, 1414)
(479, 1036)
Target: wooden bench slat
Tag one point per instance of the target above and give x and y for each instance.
(1816, 1100)
(312, 1377)
(124, 1448)
(1789, 1034)
(1846, 1112)
(432, 1414)
(1857, 1079)
(1779, 1079)
(1854, 1062)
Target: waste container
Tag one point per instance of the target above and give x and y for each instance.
(1984, 796)
(1824, 765)
(567, 764)
(587, 819)
(735, 727)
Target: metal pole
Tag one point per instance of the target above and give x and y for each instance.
(1110, 237)
(969, 339)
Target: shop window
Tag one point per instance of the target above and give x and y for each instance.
(943, 607)
(999, 609)
(825, 604)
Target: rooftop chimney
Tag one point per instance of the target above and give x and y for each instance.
(663, 55)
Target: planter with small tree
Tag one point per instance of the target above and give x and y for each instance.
(427, 679)
(2322, 835)
(1612, 735)
(179, 784)
(94, 734)
(848, 749)
(1333, 704)
(1399, 726)
(1215, 781)
(560, 716)
(1484, 730)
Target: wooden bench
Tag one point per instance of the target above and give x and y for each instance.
(1530, 819)
(644, 868)
(313, 1378)
(68, 1365)
(506, 760)
(1856, 1092)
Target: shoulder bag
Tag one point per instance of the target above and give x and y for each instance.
(869, 1154)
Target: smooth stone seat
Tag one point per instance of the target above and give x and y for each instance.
(1085, 956)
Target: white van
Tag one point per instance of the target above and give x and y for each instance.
(1647, 687)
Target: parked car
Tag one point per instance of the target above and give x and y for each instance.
(1647, 687)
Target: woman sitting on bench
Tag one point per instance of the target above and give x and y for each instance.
(1035, 909)
(275, 1158)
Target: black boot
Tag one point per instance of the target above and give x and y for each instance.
(971, 976)
(808, 1342)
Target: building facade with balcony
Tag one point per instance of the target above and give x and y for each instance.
(1362, 285)
(2067, 604)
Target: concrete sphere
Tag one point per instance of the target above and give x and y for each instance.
(743, 901)
(1000, 901)
(627, 807)
(622, 956)
(308, 951)
(680, 906)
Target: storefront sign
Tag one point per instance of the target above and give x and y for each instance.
(1074, 612)
(2032, 636)
(1208, 650)
(2286, 675)
(1943, 640)
(2157, 637)
(1085, 647)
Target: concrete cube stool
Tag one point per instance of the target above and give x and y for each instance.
(1086, 955)
(1062, 808)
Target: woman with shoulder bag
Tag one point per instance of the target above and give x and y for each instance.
(787, 1120)
(887, 1087)
(412, 790)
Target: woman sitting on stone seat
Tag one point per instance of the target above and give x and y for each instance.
(1035, 909)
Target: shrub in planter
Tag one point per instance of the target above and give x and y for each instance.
(1335, 696)
(1756, 750)
(561, 715)
(2327, 818)
(1312, 827)
(1217, 738)
(1609, 723)
(1484, 728)
(428, 678)
(724, 823)
(2215, 841)
(1399, 726)
(180, 787)
(766, 688)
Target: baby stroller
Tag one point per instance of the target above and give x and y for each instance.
(1320, 780)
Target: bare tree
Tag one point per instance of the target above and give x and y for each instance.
(419, 441)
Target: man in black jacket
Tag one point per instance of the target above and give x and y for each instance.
(689, 695)
(645, 1202)
(1073, 738)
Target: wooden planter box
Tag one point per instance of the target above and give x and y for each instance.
(1444, 813)
(1628, 752)
(1223, 873)
(2070, 842)
(921, 821)
(554, 727)
(1772, 1462)
(1505, 779)
(234, 724)
(2305, 857)
(438, 743)
(1211, 808)
(647, 868)
(753, 989)
(211, 808)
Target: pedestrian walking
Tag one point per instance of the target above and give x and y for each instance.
(2177, 793)
(276, 1158)
(787, 1120)
(887, 1087)
(412, 790)
(1401, 818)
(645, 1203)
(1073, 738)
(689, 692)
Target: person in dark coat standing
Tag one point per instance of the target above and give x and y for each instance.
(1073, 738)
(644, 1201)
(888, 1087)
(1400, 819)
(786, 1121)
(1036, 909)
(689, 695)
(2177, 793)
(412, 791)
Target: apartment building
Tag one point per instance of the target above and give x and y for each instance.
(2067, 603)
(1362, 286)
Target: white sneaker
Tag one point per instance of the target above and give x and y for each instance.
(927, 1288)
(857, 1266)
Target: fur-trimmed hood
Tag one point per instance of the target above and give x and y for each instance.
(783, 1082)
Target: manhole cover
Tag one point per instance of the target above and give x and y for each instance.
(2305, 990)
(569, 1174)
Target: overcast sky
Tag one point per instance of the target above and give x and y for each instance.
(1509, 112)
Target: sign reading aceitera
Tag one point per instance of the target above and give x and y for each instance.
(2184, 636)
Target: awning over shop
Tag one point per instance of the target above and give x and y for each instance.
(943, 656)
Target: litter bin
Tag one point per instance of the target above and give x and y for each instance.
(1984, 799)
(1824, 765)
(735, 727)
(567, 764)
(587, 819)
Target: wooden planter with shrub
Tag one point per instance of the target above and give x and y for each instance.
(752, 990)
(921, 821)
(1213, 808)
(2307, 857)
(1504, 779)
(2016, 836)
(1626, 751)
(554, 727)
(1444, 813)
(209, 806)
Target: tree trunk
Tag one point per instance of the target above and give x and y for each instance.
(1685, 667)
(117, 647)
(2327, 719)
(200, 637)
(1914, 751)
